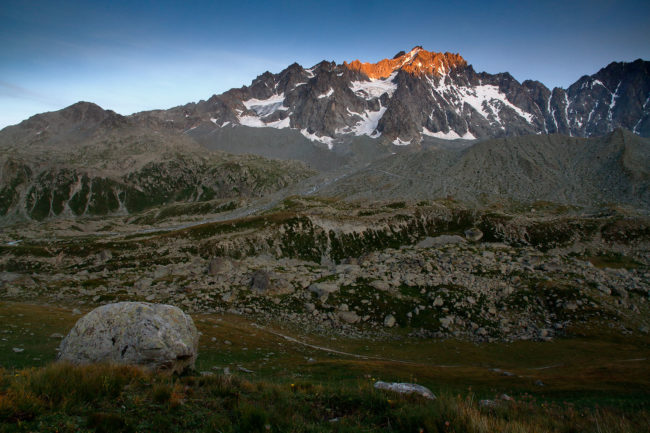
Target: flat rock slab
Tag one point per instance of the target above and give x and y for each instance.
(156, 336)
(440, 241)
(405, 388)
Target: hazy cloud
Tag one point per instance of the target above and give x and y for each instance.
(9, 90)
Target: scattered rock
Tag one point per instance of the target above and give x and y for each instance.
(261, 281)
(389, 321)
(405, 388)
(439, 241)
(160, 337)
(219, 266)
(349, 316)
(380, 285)
(473, 234)
(323, 290)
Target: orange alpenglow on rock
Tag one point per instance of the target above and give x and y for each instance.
(417, 62)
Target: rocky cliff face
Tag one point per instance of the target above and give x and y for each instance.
(423, 94)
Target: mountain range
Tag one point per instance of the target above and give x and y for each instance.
(418, 125)
(422, 94)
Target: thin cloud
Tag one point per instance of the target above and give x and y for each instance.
(9, 90)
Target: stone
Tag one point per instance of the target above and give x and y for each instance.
(156, 336)
(323, 289)
(105, 255)
(348, 317)
(261, 281)
(219, 266)
(446, 322)
(389, 321)
(57, 335)
(487, 403)
(405, 388)
(439, 241)
(160, 272)
(473, 234)
(380, 285)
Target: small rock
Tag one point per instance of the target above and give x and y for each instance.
(323, 290)
(439, 241)
(17, 349)
(219, 266)
(76, 311)
(389, 321)
(56, 335)
(380, 285)
(474, 234)
(405, 388)
(261, 281)
(487, 403)
(349, 316)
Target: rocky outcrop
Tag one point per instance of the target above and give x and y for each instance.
(160, 337)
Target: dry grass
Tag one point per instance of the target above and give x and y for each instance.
(61, 397)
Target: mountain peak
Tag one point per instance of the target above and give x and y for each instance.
(418, 61)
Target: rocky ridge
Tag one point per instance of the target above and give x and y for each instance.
(418, 96)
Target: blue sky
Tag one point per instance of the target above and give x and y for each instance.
(157, 54)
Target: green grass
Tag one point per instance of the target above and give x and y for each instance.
(613, 261)
(62, 398)
(599, 370)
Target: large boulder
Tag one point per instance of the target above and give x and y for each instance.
(156, 336)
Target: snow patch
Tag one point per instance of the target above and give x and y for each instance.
(399, 142)
(329, 93)
(252, 121)
(264, 107)
(374, 88)
(451, 135)
(321, 139)
(279, 124)
(486, 99)
(368, 123)
(598, 83)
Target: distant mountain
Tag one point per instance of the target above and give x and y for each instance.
(575, 171)
(379, 130)
(86, 161)
(418, 95)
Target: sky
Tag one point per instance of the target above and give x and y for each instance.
(130, 56)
